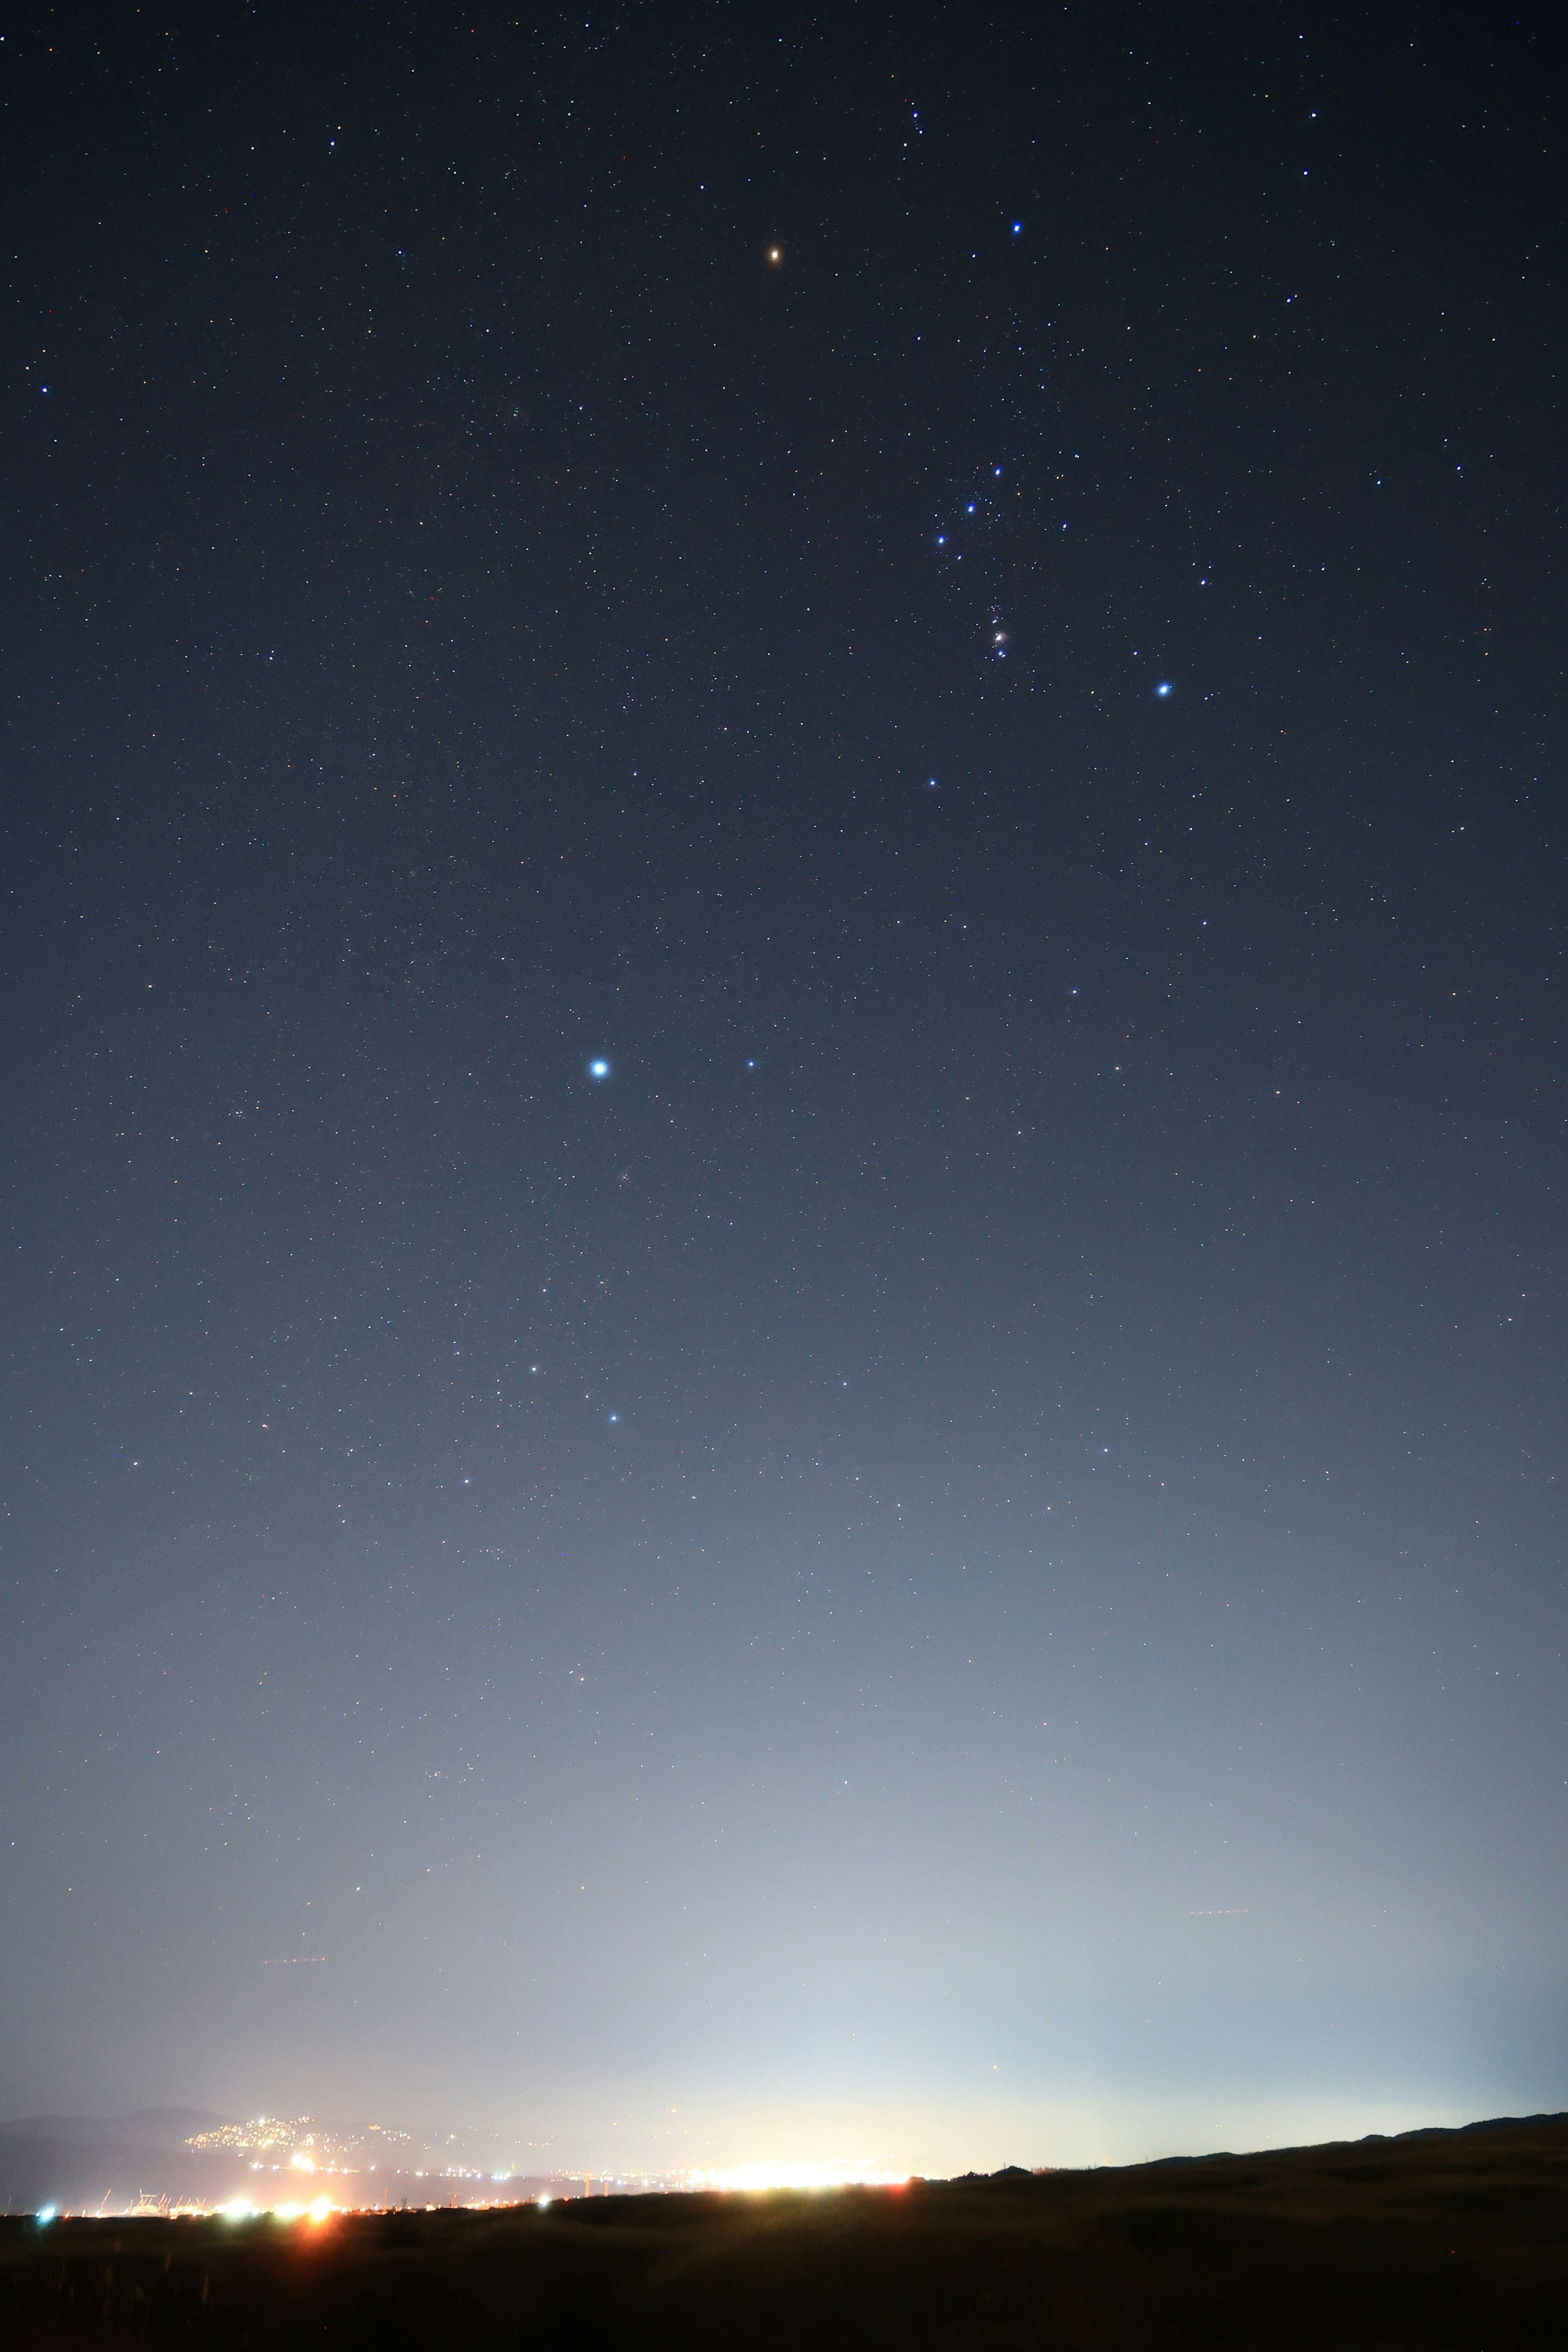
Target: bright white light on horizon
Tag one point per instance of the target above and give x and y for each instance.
(45, 2213)
(743, 2176)
(320, 2209)
(238, 2209)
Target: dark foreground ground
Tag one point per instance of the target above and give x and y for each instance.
(1455, 2238)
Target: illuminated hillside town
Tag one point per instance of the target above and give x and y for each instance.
(301, 2140)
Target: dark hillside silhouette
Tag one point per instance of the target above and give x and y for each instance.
(1444, 2239)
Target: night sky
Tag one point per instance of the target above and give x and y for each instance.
(783, 1211)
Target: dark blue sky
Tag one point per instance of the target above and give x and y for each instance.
(961, 1558)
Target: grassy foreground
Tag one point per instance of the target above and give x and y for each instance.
(1456, 2239)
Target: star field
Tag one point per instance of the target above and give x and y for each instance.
(782, 1181)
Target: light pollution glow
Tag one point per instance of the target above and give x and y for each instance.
(740, 2179)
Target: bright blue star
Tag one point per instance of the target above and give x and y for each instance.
(598, 1069)
(1164, 688)
(1017, 229)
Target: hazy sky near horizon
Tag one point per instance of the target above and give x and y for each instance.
(783, 1073)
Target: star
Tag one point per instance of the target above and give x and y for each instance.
(599, 1069)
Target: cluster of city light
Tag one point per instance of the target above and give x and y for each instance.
(734, 2179)
(262, 2131)
(739, 2179)
(298, 2137)
(240, 2209)
(237, 2209)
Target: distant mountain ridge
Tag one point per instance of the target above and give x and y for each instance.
(1367, 2139)
(148, 2127)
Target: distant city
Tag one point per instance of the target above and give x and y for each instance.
(302, 2169)
(302, 2140)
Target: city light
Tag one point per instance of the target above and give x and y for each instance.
(749, 2177)
(740, 2179)
(299, 2171)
